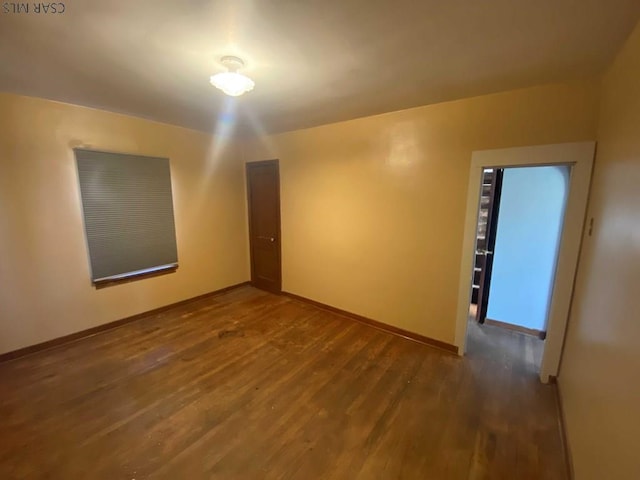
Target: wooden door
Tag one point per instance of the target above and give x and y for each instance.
(486, 254)
(263, 192)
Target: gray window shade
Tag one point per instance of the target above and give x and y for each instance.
(128, 213)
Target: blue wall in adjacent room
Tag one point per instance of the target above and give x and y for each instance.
(529, 229)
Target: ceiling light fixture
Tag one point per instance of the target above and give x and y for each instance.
(231, 82)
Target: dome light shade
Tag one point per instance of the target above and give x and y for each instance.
(231, 82)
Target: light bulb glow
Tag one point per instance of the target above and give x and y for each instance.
(232, 83)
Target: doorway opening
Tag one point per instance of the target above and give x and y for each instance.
(518, 234)
(578, 157)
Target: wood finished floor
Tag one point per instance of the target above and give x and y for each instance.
(249, 385)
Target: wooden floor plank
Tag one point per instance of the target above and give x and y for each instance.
(250, 385)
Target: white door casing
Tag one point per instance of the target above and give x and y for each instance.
(580, 157)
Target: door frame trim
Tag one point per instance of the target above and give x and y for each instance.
(578, 155)
(247, 166)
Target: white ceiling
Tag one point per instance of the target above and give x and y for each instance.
(314, 61)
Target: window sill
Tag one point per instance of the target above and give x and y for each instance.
(133, 277)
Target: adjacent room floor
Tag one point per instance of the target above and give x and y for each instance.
(523, 351)
(250, 385)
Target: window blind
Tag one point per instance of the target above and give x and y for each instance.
(128, 213)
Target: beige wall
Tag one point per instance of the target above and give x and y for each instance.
(45, 289)
(373, 209)
(600, 372)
